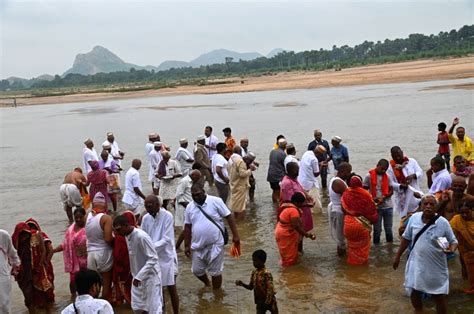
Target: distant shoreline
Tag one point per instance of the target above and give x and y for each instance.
(412, 71)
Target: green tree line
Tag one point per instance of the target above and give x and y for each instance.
(416, 46)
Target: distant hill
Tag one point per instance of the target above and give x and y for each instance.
(274, 52)
(166, 65)
(101, 59)
(219, 55)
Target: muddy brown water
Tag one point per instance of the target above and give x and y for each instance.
(39, 144)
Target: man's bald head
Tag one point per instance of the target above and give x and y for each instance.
(237, 150)
(152, 204)
(195, 175)
(136, 163)
(344, 170)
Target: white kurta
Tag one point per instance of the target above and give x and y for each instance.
(149, 147)
(427, 265)
(403, 200)
(114, 151)
(88, 155)
(183, 195)
(308, 166)
(87, 304)
(8, 256)
(145, 267)
(168, 186)
(211, 141)
(441, 181)
(155, 159)
(182, 157)
(132, 180)
(290, 158)
(160, 229)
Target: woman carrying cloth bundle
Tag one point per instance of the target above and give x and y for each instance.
(360, 213)
(289, 229)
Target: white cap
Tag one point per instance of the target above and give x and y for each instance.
(201, 137)
(157, 144)
(337, 139)
(183, 140)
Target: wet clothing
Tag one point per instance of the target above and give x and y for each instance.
(427, 265)
(286, 236)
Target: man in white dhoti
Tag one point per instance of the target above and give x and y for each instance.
(184, 157)
(133, 196)
(239, 174)
(308, 176)
(116, 153)
(404, 174)
(439, 178)
(158, 224)
(183, 198)
(89, 154)
(8, 259)
(70, 191)
(147, 296)
(148, 149)
(205, 233)
(155, 159)
(88, 284)
(169, 174)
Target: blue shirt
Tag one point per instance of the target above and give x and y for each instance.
(339, 155)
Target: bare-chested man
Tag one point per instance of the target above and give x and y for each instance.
(70, 191)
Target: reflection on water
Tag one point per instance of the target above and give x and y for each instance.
(40, 144)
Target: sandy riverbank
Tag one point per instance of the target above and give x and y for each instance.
(414, 71)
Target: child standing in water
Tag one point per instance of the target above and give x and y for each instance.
(261, 282)
(443, 141)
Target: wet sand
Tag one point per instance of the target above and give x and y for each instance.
(414, 71)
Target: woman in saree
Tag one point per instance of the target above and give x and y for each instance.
(360, 213)
(33, 278)
(121, 276)
(289, 229)
(463, 227)
(98, 181)
(74, 248)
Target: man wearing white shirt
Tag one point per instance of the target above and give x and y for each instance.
(183, 198)
(133, 196)
(158, 224)
(184, 157)
(155, 159)
(148, 149)
(205, 238)
(88, 284)
(116, 153)
(8, 259)
(147, 293)
(219, 171)
(89, 154)
(106, 146)
(404, 174)
(308, 176)
(439, 178)
(211, 142)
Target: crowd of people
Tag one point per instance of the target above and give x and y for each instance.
(127, 249)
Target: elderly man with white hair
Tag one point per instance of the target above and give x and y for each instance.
(168, 172)
(115, 152)
(239, 174)
(89, 154)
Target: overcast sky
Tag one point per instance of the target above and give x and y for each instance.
(38, 37)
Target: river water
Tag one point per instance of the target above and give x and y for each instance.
(39, 144)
